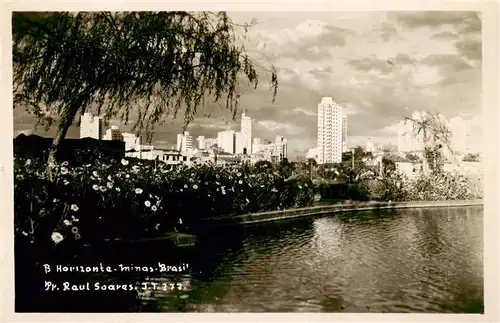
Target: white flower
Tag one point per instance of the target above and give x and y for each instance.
(102, 188)
(67, 222)
(274, 190)
(223, 192)
(127, 176)
(239, 174)
(74, 207)
(138, 191)
(65, 163)
(180, 221)
(56, 237)
(117, 189)
(95, 187)
(28, 162)
(66, 182)
(109, 185)
(64, 170)
(154, 208)
(74, 219)
(185, 186)
(248, 201)
(195, 186)
(124, 162)
(147, 203)
(95, 173)
(240, 182)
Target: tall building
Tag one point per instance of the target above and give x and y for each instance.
(238, 137)
(91, 126)
(201, 142)
(113, 133)
(246, 133)
(344, 133)
(330, 131)
(184, 142)
(226, 141)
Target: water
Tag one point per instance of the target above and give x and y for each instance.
(410, 260)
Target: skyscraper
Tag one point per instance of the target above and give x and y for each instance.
(91, 126)
(226, 141)
(184, 142)
(246, 133)
(330, 131)
(113, 133)
(344, 133)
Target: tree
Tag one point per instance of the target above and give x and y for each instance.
(435, 135)
(143, 63)
(471, 158)
(263, 166)
(389, 166)
(286, 168)
(412, 158)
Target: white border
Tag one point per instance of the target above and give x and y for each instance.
(490, 14)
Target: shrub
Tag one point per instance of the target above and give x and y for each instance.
(131, 198)
(343, 191)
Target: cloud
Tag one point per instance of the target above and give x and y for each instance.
(446, 62)
(445, 35)
(435, 64)
(306, 112)
(368, 64)
(471, 49)
(467, 20)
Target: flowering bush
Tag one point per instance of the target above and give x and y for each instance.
(128, 199)
(440, 186)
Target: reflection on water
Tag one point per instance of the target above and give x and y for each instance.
(412, 260)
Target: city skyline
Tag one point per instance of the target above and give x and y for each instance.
(415, 61)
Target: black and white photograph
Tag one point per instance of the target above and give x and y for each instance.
(325, 161)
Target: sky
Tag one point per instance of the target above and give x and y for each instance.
(380, 66)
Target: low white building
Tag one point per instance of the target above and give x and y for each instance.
(132, 142)
(277, 150)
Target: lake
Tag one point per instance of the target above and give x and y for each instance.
(385, 261)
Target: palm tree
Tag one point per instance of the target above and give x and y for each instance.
(434, 131)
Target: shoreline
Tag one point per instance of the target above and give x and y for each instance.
(185, 240)
(334, 208)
